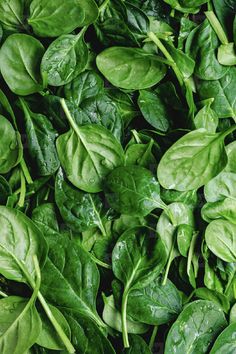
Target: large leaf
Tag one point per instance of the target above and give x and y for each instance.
(41, 138)
(18, 317)
(20, 58)
(196, 327)
(78, 209)
(133, 190)
(222, 91)
(12, 14)
(70, 279)
(185, 166)
(130, 68)
(87, 154)
(220, 238)
(51, 19)
(155, 304)
(10, 146)
(64, 59)
(20, 240)
(225, 343)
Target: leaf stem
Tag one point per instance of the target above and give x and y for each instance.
(104, 5)
(190, 252)
(99, 262)
(153, 337)
(21, 201)
(123, 318)
(3, 294)
(162, 48)
(26, 171)
(169, 263)
(216, 25)
(56, 325)
(68, 115)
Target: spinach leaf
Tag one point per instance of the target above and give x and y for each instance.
(196, 327)
(79, 210)
(222, 91)
(137, 346)
(220, 238)
(20, 58)
(231, 154)
(48, 337)
(65, 58)
(11, 149)
(140, 154)
(18, 316)
(86, 336)
(5, 190)
(201, 46)
(50, 19)
(101, 109)
(130, 68)
(12, 14)
(155, 303)
(154, 110)
(86, 85)
(87, 154)
(225, 342)
(41, 138)
(20, 241)
(144, 255)
(153, 8)
(133, 190)
(220, 187)
(222, 209)
(206, 117)
(74, 276)
(112, 317)
(185, 165)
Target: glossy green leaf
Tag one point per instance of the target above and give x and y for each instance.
(20, 58)
(50, 19)
(133, 190)
(130, 68)
(225, 343)
(185, 166)
(196, 328)
(220, 238)
(65, 58)
(221, 187)
(10, 146)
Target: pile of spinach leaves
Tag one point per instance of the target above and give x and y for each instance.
(117, 176)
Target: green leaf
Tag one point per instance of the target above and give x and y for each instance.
(218, 298)
(79, 210)
(112, 317)
(73, 277)
(20, 58)
(50, 19)
(86, 336)
(86, 85)
(142, 252)
(11, 149)
(222, 91)
(133, 190)
(196, 328)
(65, 58)
(185, 166)
(12, 14)
(20, 241)
(221, 239)
(206, 118)
(41, 138)
(222, 209)
(5, 190)
(87, 154)
(137, 346)
(225, 343)
(130, 68)
(201, 46)
(155, 304)
(154, 110)
(18, 317)
(226, 54)
(221, 187)
(48, 337)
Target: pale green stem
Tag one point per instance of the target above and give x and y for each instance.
(21, 201)
(216, 25)
(153, 338)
